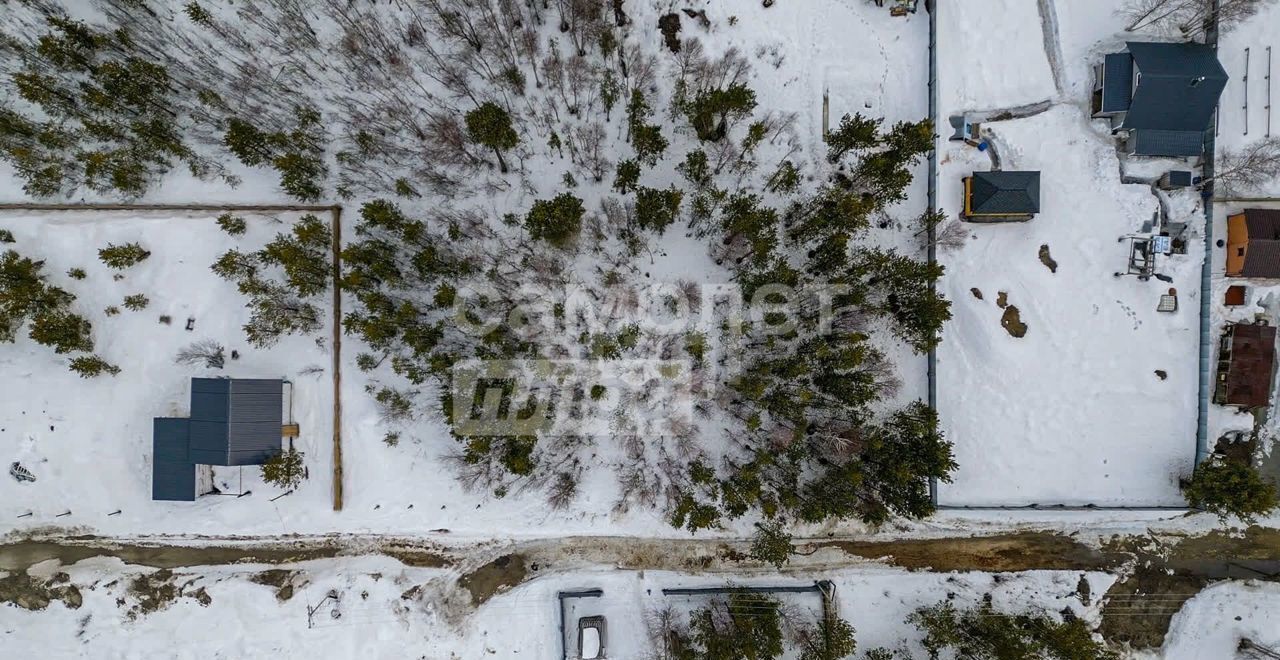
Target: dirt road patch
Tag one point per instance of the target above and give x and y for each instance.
(496, 576)
(282, 580)
(1139, 608)
(21, 555)
(1024, 551)
(30, 593)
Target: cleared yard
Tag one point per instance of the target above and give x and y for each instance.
(1073, 412)
(88, 442)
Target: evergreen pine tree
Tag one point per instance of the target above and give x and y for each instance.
(711, 111)
(557, 220)
(284, 470)
(120, 257)
(64, 331)
(771, 543)
(655, 209)
(854, 134)
(490, 126)
(91, 366)
(1230, 487)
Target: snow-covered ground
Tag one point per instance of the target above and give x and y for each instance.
(1238, 127)
(1074, 412)
(389, 611)
(991, 55)
(1212, 624)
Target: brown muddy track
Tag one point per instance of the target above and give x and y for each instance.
(1006, 552)
(1159, 574)
(19, 555)
(1255, 552)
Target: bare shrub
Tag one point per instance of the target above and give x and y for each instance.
(208, 352)
(564, 488)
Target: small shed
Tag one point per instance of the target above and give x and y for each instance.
(1246, 364)
(1236, 295)
(1001, 196)
(1253, 244)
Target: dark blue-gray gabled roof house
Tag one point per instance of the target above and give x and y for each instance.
(1162, 95)
(1001, 196)
(233, 422)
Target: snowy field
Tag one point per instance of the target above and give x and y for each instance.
(1073, 412)
(1212, 624)
(390, 611)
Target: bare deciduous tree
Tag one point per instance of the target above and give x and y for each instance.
(1189, 18)
(587, 145)
(951, 236)
(1248, 168)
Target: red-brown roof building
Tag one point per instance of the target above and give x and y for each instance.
(1246, 363)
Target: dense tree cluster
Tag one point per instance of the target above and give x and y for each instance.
(982, 633)
(106, 116)
(283, 280)
(296, 153)
(801, 401)
(28, 300)
(743, 624)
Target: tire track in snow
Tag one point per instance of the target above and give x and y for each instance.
(1052, 44)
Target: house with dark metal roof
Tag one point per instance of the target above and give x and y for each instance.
(233, 422)
(1253, 244)
(1001, 196)
(1160, 96)
(1246, 365)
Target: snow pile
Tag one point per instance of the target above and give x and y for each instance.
(1212, 624)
